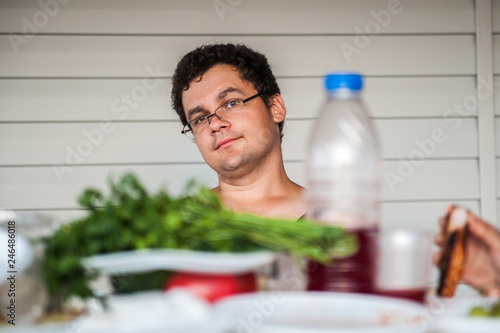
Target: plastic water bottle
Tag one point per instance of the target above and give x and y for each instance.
(344, 182)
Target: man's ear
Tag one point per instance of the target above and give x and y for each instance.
(277, 108)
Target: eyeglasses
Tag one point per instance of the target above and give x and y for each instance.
(198, 124)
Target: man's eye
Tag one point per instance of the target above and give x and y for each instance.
(199, 120)
(233, 103)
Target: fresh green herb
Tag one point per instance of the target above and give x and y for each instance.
(129, 218)
(492, 310)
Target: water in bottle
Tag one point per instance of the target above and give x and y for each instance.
(344, 182)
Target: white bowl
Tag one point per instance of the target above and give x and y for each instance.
(318, 312)
(182, 260)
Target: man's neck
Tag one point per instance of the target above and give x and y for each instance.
(266, 191)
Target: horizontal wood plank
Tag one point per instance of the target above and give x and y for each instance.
(420, 215)
(141, 56)
(498, 170)
(39, 187)
(496, 92)
(496, 54)
(239, 17)
(413, 139)
(83, 143)
(42, 188)
(497, 222)
(161, 142)
(85, 100)
(441, 180)
(438, 180)
(497, 136)
(387, 97)
(495, 16)
(96, 99)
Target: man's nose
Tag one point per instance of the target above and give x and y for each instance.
(215, 122)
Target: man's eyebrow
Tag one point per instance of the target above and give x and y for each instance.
(224, 93)
(193, 111)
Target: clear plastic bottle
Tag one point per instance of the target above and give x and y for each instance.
(344, 182)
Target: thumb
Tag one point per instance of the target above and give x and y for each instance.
(495, 292)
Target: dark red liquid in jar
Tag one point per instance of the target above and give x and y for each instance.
(417, 295)
(352, 274)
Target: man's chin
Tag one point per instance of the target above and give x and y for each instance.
(230, 167)
(234, 166)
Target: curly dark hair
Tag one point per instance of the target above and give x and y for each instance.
(251, 65)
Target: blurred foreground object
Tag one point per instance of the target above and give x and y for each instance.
(453, 258)
(455, 314)
(129, 218)
(320, 312)
(471, 249)
(213, 287)
(404, 263)
(344, 181)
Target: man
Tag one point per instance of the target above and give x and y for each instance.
(228, 100)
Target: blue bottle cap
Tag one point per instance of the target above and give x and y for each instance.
(338, 80)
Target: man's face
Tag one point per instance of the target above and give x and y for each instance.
(238, 142)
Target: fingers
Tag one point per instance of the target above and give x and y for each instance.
(495, 293)
(449, 210)
(439, 239)
(442, 222)
(484, 231)
(436, 258)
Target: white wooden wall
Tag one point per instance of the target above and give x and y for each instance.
(66, 66)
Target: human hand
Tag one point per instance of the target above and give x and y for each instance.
(482, 263)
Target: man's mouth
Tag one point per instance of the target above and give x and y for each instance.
(225, 142)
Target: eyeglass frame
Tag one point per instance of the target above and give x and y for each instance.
(188, 125)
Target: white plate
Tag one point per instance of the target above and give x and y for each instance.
(319, 312)
(179, 260)
(176, 311)
(453, 315)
